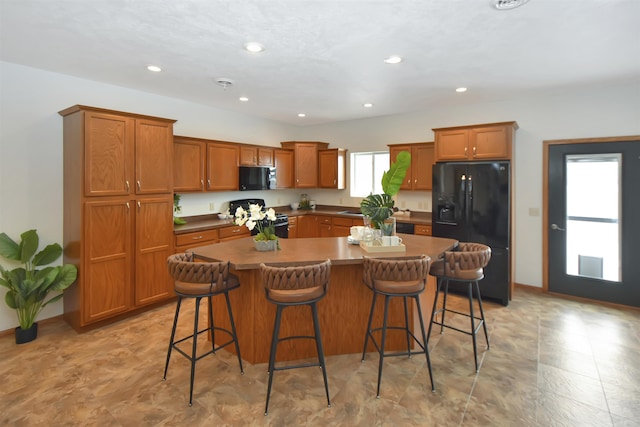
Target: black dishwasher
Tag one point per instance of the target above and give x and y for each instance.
(404, 227)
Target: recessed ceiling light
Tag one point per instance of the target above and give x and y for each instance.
(508, 4)
(367, 105)
(154, 68)
(253, 47)
(393, 60)
(461, 89)
(302, 115)
(244, 99)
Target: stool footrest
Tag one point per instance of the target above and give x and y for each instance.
(475, 331)
(302, 365)
(212, 351)
(397, 328)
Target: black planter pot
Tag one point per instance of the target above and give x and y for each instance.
(26, 335)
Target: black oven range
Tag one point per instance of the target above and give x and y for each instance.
(281, 223)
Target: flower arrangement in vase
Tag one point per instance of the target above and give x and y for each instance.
(255, 218)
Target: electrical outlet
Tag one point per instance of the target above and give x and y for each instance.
(212, 206)
(340, 201)
(534, 212)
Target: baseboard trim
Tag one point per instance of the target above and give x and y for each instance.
(11, 331)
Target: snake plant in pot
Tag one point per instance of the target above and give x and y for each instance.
(379, 207)
(28, 287)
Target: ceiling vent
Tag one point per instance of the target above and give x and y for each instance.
(508, 4)
(224, 82)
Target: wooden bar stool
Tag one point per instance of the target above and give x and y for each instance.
(199, 280)
(404, 277)
(291, 286)
(465, 265)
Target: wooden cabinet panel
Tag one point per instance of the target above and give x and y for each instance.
(233, 232)
(251, 155)
(293, 227)
(452, 145)
(153, 243)
(493, 141)
(490, 143)
(107, 261)
(188, 164)
(154, 157)
(308, 226)
(284, 168)
(419, 174)
(222, 166)
(195, 239)
(107, 160)
(306, 161)
(341, 226)
(422, 230)
(332, 165)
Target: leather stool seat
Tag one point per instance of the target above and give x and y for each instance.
(404, 277)
(291, 286)
(201, 280)
(466, 265)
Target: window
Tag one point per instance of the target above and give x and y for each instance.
(366, 172)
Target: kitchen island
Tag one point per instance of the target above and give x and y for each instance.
(344, 310)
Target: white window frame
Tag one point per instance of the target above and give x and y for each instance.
(371, 179)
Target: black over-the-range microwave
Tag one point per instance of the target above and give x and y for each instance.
(257, 178)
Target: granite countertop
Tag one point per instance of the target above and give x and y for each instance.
(208, 222)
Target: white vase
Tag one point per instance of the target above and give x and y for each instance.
(266, 245)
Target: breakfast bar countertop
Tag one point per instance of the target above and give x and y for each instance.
(242, 255)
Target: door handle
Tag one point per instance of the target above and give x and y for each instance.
(555, 227)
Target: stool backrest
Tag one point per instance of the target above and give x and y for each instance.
(469, 256)
(296, 277)
(403, 269)
(183, 269)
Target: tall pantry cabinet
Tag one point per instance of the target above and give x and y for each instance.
(118, 211)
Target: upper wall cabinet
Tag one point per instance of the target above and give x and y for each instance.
(332, 166)
(284, 168)
(305, 161)
(491, 141)
(122, 153)
(252, 155)
(418, 175)
(204, 165)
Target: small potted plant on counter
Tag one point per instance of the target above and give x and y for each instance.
(379, 207)
(266, 239)
(29, 287)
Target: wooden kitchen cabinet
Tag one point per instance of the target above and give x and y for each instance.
(194, 239)
(422, 230)
(305, 161)
(332, 166)
(419, 174)
(341, 227)
(493, 141)
(222, 166)
(253, 155)
(284, 164)
(307, 226)
(233, 232)
(204, 165)
(293, 227)
(324, 227)
(118, 211)
(189, 157)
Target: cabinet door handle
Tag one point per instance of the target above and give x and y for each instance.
(208, 183)
(474, 151)
(415, 181)
(127, 185)
(202, 183)
(138, 183)
(128, 207)
(465, 151)
(196, 237)
(139, 205)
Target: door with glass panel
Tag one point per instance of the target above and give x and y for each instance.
(594, 221)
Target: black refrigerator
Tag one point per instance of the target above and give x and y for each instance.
(471, 203)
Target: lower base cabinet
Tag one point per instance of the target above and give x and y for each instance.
(121, 256)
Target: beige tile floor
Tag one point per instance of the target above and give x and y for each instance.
(552, 362)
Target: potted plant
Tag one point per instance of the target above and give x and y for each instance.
(266, 239)
(379, 207)
(29, 287)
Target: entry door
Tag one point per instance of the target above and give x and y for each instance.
(594, 221)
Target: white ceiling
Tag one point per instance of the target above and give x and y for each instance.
(325, 58)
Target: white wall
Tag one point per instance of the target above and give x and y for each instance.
(31, 147)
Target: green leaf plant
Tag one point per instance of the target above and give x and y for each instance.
(379, 207)
(27, 286)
